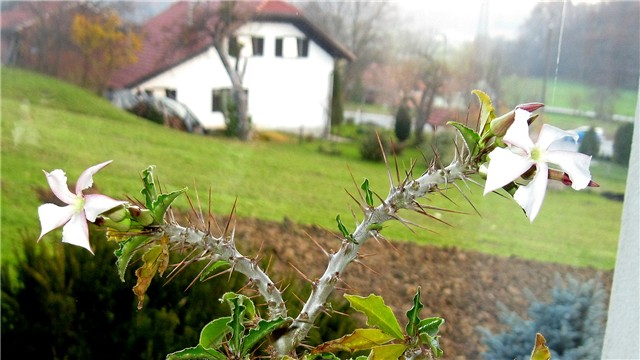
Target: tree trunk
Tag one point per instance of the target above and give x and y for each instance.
(423, 112)
(237, 91)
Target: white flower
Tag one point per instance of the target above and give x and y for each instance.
(506, 165)
(80, 208)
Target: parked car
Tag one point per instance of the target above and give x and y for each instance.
(162, 110)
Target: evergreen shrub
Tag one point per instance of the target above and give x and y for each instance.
(573, 324)
(622, 144)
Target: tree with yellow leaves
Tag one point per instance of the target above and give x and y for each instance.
(106, 44)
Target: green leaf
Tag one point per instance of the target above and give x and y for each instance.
(378, 314)
(414, 315)
(198, 352)
(213, 334)
(237, 318)
(149, 191)
(250, 307)
(487, 111)
(433, 342)
(263, 329)
(126, 251)
(211, 268)
(158, 204)
(360, 339)
(368, 194)
(162, 203)
(326, 356)
(430, 326)
(385, 352)
(470, 137)
(343, 230)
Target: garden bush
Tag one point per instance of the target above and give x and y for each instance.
(370, 146)
(403, 123)
(622, 144)
(590, 143)
(61, 303)
(573, 323)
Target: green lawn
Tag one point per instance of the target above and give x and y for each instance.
(564, 94)
(47, 125)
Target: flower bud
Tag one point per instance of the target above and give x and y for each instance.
(500, 125)
(144, 217)
(122, 225)
(117, 214)
(565, 179)
(530, 107)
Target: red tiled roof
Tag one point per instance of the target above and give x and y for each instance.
(160, 51)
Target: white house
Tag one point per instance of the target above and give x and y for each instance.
(288, 66)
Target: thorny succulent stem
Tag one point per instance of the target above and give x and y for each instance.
(401, 197)
(225, 249)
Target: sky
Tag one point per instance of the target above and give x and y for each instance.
(458, 19)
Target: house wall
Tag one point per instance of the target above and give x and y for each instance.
(291, 94)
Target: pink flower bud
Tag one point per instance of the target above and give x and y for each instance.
(530, 107)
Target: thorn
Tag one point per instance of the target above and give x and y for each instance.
(255, 259)
(389, 243)
(395, 161)
(217, 274)
(180, 266)
(406, 223)
(365, 256)
(402, 221)
(200, 274)
(386, 162)
(269, 263)
(467, 198)
(193, 209)
(423, 212)
(383, 201)
(297, 297)
(355, 184)
(231, 270)
(354, 199)
(444, 195)
(201, 217)
(231, 215)
(300, 272)
(365, 266)
(209, 212)
(318, 244)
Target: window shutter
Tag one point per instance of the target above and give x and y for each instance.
(257, 44)
(303, 47)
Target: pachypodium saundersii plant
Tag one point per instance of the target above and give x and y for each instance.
(499, 149)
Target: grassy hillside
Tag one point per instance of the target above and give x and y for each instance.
(47, 124)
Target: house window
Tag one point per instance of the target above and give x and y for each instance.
(292, 47)
(219, 99)
(303, 47)
(246, 46)
(171, 93)
(257, 45)
(222, 98)
(234, 47)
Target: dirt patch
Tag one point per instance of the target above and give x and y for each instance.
(464, 287)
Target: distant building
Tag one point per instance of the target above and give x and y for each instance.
(289, 66)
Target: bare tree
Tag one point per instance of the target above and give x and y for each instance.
(363, 27)
(421, 72)
(219, 21)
